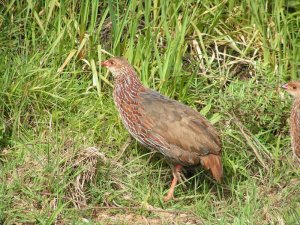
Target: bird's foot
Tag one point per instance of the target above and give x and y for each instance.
(168, 197)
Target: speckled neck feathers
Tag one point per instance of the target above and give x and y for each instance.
(127, 86)
(126, 91)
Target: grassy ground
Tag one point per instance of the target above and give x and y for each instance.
(65, 156)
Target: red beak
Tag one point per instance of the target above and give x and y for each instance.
(284, 86)
(105, 63)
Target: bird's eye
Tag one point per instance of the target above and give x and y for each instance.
(294, 88)
(112, 62)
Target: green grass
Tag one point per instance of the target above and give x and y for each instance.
(226, 59)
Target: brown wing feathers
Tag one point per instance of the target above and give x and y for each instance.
(191, 138)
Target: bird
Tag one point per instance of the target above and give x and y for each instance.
(180, 133)
(293, 88)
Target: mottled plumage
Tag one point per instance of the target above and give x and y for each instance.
(180, 133)
(293, 88)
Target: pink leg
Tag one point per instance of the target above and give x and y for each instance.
(176, 174)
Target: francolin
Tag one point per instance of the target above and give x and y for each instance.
(181, 134)
(293, 88)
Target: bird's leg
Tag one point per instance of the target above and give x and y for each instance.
(296, 158)
(176, 176)
(180, 177)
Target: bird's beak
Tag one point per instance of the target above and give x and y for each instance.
(284, 86)
(105, 63)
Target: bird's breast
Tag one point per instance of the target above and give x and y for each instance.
(130, 113)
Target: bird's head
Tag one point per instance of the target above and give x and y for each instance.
(293, 88)
(116, 65)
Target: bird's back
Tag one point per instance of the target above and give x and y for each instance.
(181, 133)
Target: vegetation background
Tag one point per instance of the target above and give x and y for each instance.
(65, 156)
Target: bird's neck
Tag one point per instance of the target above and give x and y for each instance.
(296, 102)
(127, 86)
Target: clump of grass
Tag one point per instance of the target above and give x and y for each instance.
(224, 58)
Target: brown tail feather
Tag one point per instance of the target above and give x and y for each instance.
(214, 163)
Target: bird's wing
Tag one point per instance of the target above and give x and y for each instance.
(179, 125)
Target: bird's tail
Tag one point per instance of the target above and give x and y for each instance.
(214, 164)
